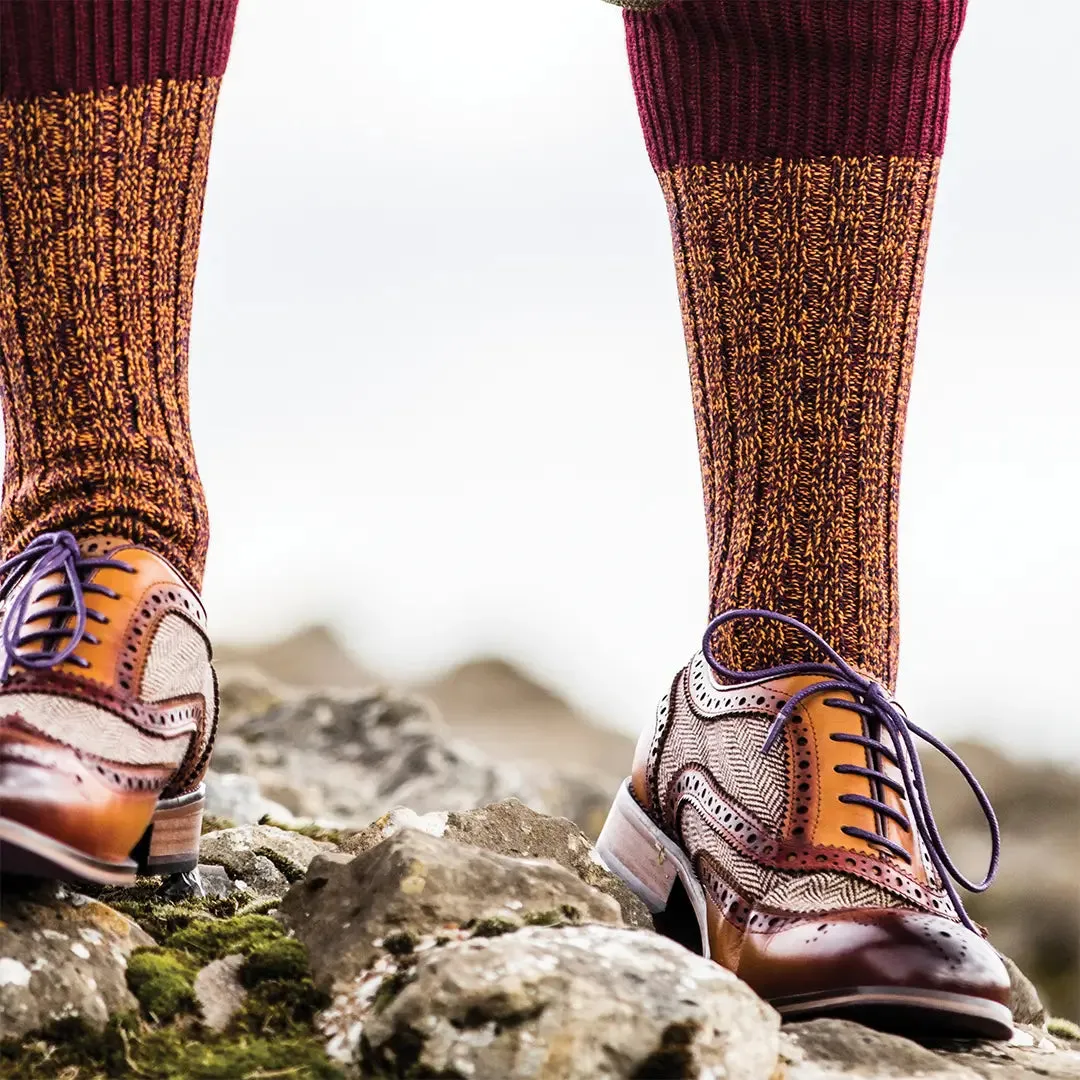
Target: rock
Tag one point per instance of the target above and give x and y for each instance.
(512, 828)
(266, 859)
(1025, 1004)
(215, 880)
(1031, 911)
(61, 954)
(343, 758)
(400, 817)
(244, 691)
(238, 798)
(416, 884)
(231, 755)
(823, 1049)
(1030, 1055)
(219, 992)
(576, 1003)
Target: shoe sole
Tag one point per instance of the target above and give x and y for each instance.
(650, 862)
(170, 845)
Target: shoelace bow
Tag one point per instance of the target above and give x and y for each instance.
(50, 553)
(874, 704)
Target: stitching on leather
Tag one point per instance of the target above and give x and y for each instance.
(187, 772)
(811, 797)
(703, 695)
(140, 628)
(659, 741)
(693, 785)
(49, 753)
(732, 906)
(133, 712)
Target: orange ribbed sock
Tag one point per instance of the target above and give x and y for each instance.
(797, 145)
(106, 113)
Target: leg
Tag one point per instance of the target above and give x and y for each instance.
(799, 182)
(105, 120)
(797, 146)
(107, 702)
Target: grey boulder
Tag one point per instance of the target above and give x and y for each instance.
(414, 884)
(62, 955)
(573, 1003)
(510, 827)
(264, 858)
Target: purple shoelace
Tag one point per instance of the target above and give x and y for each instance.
(50, 553)
(873, 703)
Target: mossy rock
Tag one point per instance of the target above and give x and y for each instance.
(143, 903)
(163, 981)
(129, 1046)
(212, 939)
(273, 1032)
(311, 831)
(284, 959)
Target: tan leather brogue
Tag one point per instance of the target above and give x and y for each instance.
(108, 707)
(777, 820)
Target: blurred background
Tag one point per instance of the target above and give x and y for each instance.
(441, 402)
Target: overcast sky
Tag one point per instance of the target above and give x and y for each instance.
(439, 383)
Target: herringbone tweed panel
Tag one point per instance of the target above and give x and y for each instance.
(779, 890)
(729, 747)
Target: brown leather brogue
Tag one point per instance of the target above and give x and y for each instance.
(777, 820)
(108, 707)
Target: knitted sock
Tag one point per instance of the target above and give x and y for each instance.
(106, 112)
(797, 145)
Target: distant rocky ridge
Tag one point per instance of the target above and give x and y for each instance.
(489, 702)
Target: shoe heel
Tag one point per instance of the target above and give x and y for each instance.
(632, 847)
(651, 864)
(171, 843)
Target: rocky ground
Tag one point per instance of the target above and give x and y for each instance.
(461, 934)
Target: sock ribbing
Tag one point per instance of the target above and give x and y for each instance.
(101, 194)
(797, 147)
(69, 46)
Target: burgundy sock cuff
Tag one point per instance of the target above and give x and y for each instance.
(79, 45)
(730, 80)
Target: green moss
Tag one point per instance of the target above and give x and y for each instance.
(1063, 1029)
(130, 1047)
(260, 906)
(566, 915)
(314, 832)
(280, 1006)
(494, 926)
(212, 823)
(551, 917)
(283, 958)
(401, 943)
(163, 982)
(273, 1034)
(211, 939)
(161, 918)
(390, 987)
(290, 870)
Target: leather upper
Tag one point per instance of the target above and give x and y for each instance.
(87, 751)
(785, 884)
